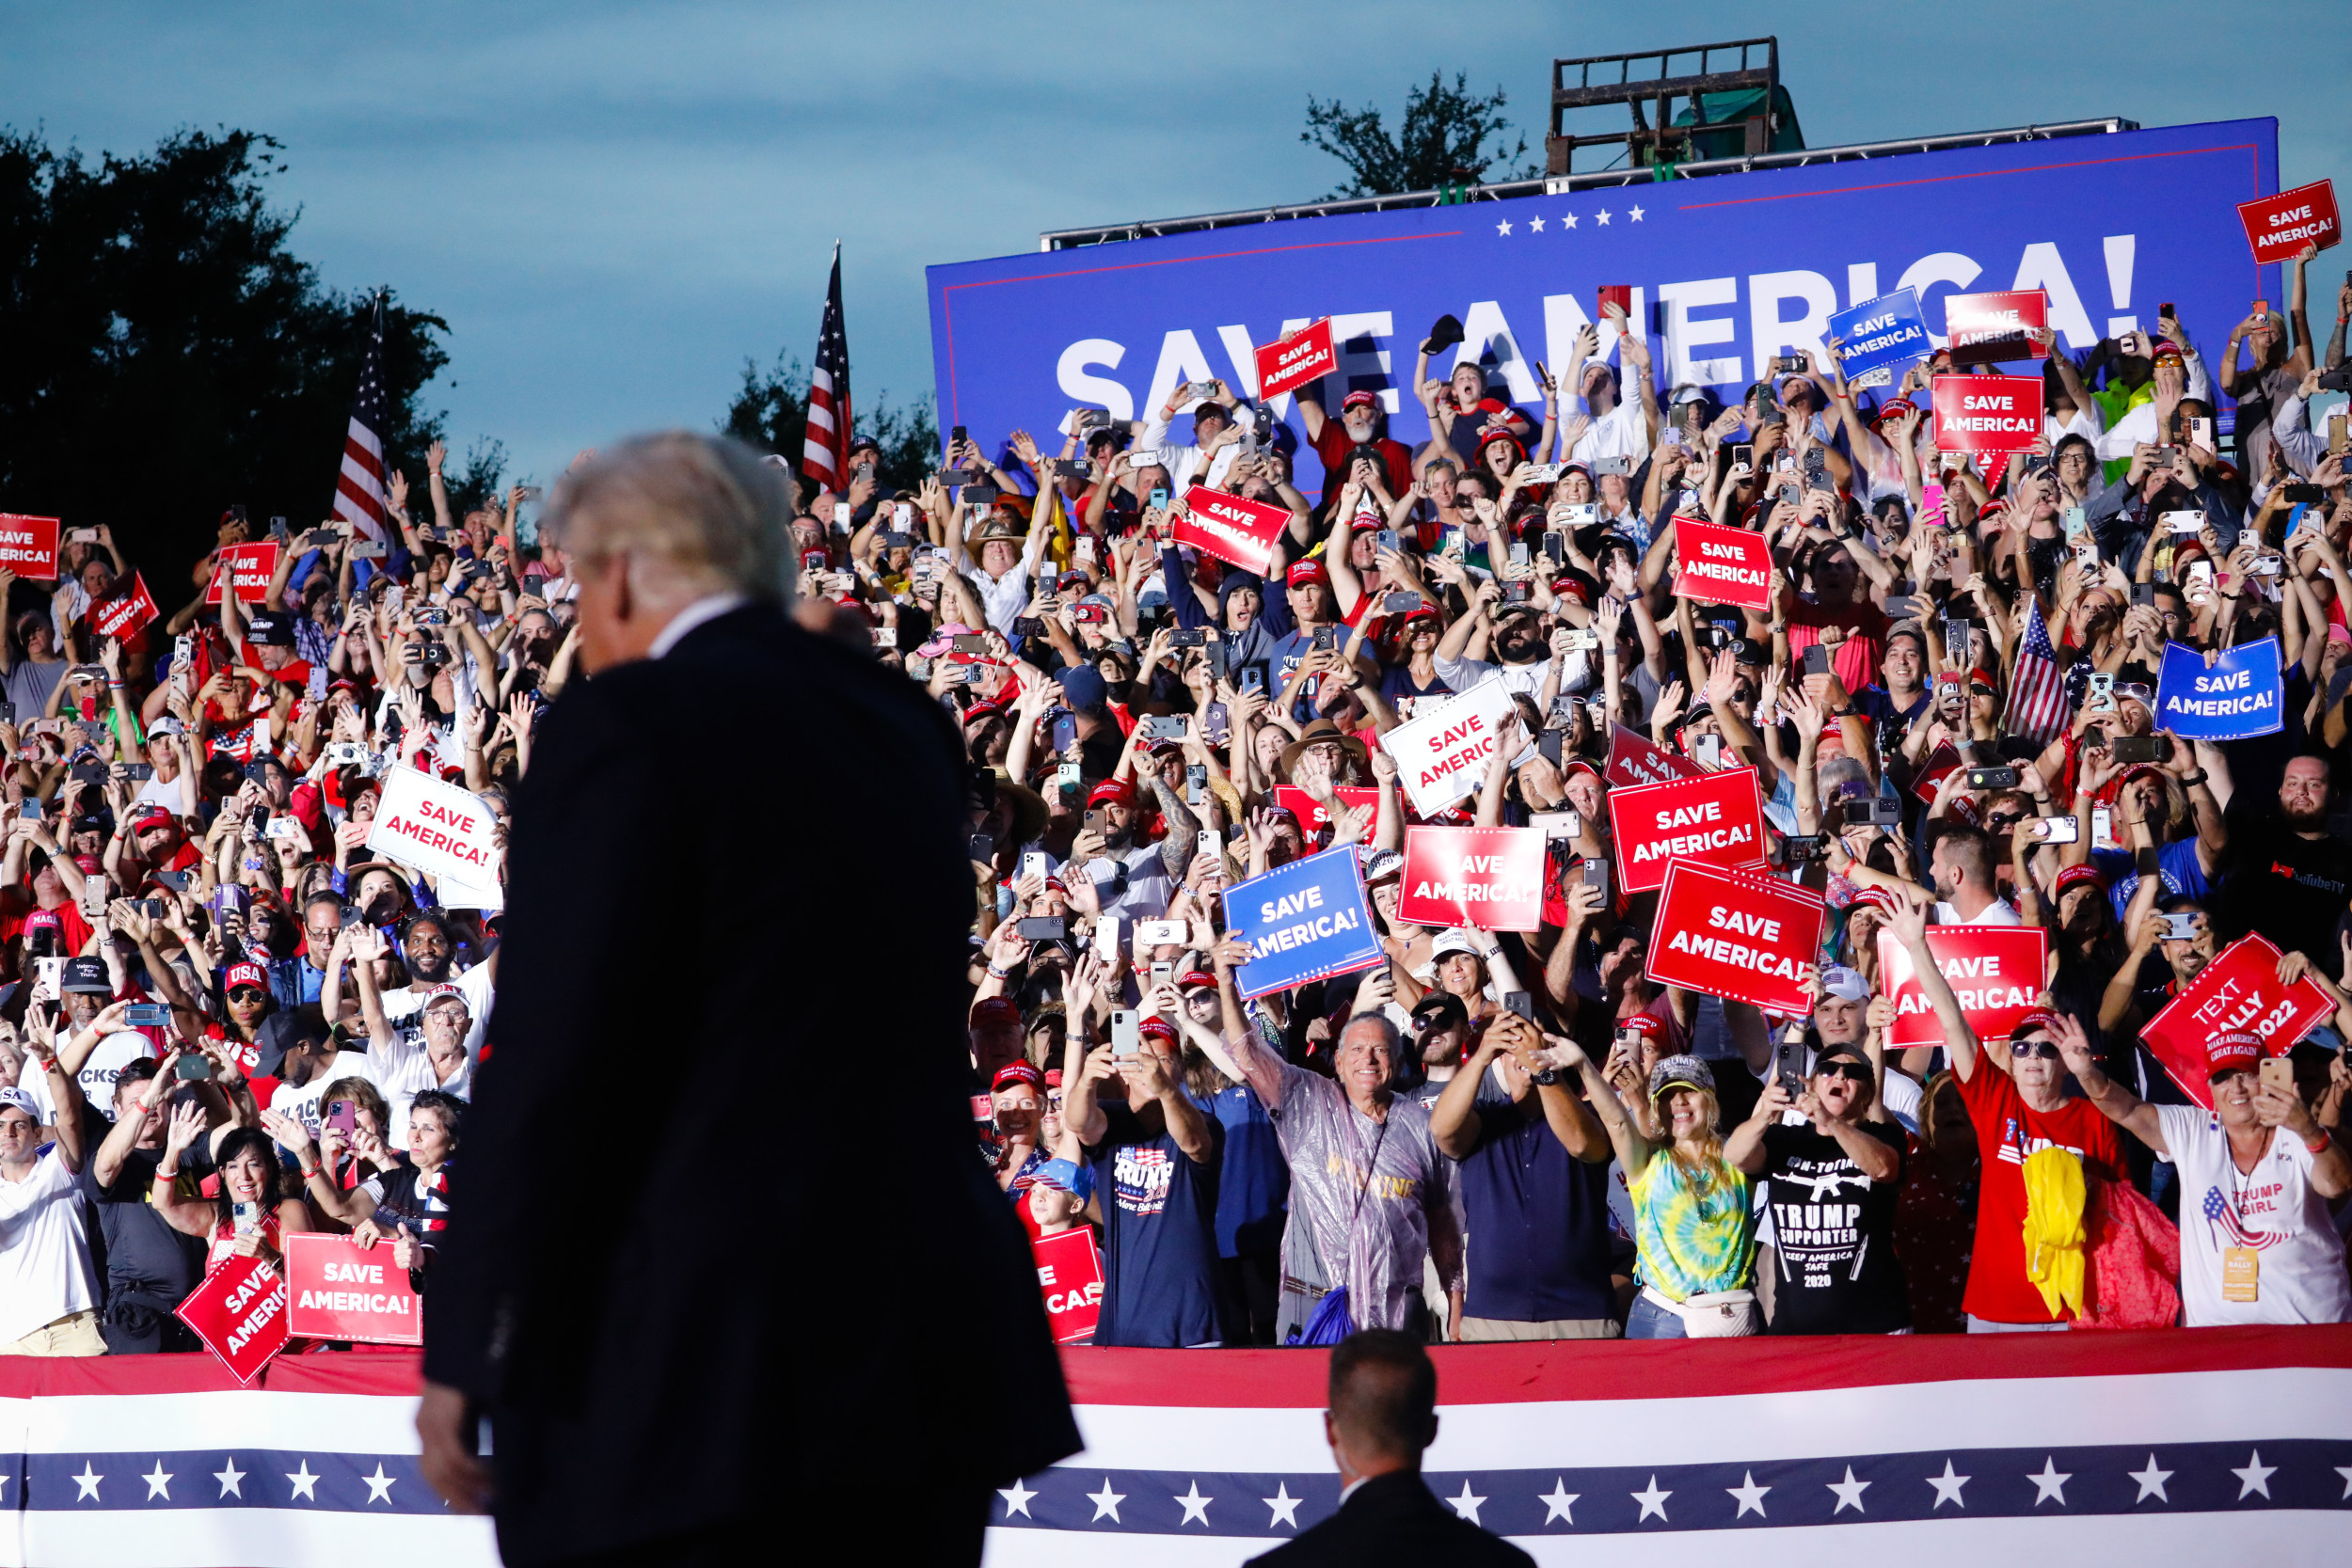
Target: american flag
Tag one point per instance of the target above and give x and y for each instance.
(825, 454)
(359, 486)
(2037, 697)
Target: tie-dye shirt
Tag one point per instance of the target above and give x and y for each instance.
(1692, 1241)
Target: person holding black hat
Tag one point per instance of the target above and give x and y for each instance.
(1337, 441)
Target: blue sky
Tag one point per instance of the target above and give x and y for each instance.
(613, 205)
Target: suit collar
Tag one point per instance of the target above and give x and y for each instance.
(708, 608)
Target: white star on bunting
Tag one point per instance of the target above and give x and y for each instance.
(1016, 1500)
(1558, 1503)
(1635, 215)
(230, 1478)
(88, 1480)
(1652, 1501)
(2150, 1481)
(1848, 1493)
(1196, 1507)
(2255, 1477)
(1503, 228)
(1465, 1506)
(1107, 1501)
(158, 1483)
(1285, 1507)
(1535, 226)
(1750, 1495)
(305, 1483)
(1602, 218)
(2051, 1482)
(1948, 1486)
(380, 1485)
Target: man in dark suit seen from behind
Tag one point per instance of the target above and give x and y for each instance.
(622, 1291)
(1383, 1413)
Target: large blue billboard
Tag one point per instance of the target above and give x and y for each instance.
(1726, 271)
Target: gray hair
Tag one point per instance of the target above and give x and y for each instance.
(701, 510)
(1381, 1022)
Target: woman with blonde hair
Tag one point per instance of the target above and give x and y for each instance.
(1694, 1227)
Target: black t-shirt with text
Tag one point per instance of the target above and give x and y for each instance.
(1834, 1235)
(2291, 889)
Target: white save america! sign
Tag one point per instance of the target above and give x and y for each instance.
(440, 830)
(1442, 753)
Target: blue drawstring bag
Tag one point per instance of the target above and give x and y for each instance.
(1330, 1323)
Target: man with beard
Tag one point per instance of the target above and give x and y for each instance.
(1962, 867)
(2289, 875)
(1334, 440)
(1125, 874)
(1515, 634)
(430, 953)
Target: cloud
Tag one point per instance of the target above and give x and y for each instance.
(615, 205)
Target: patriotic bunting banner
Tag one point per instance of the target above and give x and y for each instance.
(2205, 1446)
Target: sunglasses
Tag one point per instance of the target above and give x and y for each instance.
(1853, 1072)
(2004, 819)
(2046, 1050)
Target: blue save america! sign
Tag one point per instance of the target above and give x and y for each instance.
(2239, 697)
(1307, 921)
(1879, 337)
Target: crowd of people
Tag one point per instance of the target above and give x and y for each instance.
(230, 1020)
(1493, 1134)
(227, 1019)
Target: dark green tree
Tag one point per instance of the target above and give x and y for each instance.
(770, 412)
(168, 355)
(1444, 128)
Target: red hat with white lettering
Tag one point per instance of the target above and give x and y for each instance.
(1307, 571)
(2076, 876)
(247, 974)
(1160, 1028)
(2232, 1050)
(1360, 400)
(1115, 791)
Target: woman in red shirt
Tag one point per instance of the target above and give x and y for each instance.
(2014, 1113)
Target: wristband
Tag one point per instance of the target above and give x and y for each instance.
(2320, 1146)
(309, 1172)
(2190, 781)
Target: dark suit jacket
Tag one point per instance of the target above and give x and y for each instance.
(1394, 1519)
(721, 1228)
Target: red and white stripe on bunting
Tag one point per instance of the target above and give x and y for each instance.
(2083, 1448)
(2208, 1447)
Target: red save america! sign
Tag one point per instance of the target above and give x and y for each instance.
(1069, 1273)
(1723, 565)
(248, 566)
(240, 1314)
(339, 1290)
(2238, 992)
(1633, 760)
(1988, 415)
(1489, 877)
(1231, 528)
(2281, 225)
(1994, 973)
(1985, 329)
(124, 614)
(28, 546)
(1314, 816)
(1741, 935)
(1716, 817)
(1294, 360)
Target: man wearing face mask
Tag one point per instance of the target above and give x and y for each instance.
(2016, 1109)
